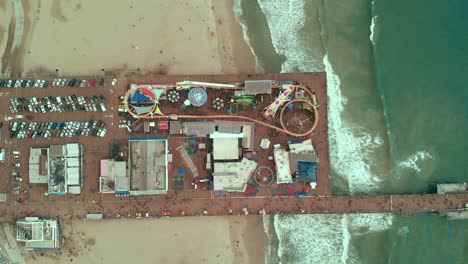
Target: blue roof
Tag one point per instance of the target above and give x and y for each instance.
(307, 171)
(138, 97)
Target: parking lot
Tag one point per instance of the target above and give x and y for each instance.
(81, 111)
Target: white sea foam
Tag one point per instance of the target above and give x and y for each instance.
(372, 29)
(267, 222)
(325, 238)
(372, 26)
(348, 152)
(412, 161)
(285, 19)
(370, 223)
(237, 8)
(346, 239)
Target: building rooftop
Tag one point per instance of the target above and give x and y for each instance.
(226, 146)
(148, 166)
(38, 165)
(38, 234)
(57, 175)
(233, 176)
(452, 188)
(114, 177)
(199, 129)
(258, 87)
(283, 169)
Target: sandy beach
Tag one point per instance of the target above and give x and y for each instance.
(171, 240)
(86, 37)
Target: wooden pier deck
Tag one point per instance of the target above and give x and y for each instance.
(131, 207)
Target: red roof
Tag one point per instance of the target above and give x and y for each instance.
(163, 125)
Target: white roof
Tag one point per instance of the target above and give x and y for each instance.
(122, 181)
(226, 135)
(233, 176)
(34, 176)
(73, 150)
(283, 169)
(76, 189)
(34, 155)
(225, 148)
(73, 162)
(303, 147)
(73, 176)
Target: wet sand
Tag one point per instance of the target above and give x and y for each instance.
(174, 240)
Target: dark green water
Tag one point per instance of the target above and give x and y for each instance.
(398, 116)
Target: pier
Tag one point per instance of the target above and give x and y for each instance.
(181, 197)
(137, 207)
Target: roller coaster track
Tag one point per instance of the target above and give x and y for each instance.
(282, 129)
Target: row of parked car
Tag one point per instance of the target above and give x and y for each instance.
(57, 129)
(24, 83)
(82, 83)
(56, 83)
(58, 104)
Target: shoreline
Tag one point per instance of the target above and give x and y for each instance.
(236, 57)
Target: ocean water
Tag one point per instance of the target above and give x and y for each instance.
(397, 85)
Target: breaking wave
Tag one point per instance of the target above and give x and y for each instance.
(372, 26)
(372, 30)
(348, 152)
(285, 19)
(324, 238)
(412, 161)
(237, 8)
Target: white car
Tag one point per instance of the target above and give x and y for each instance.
(8, 118)
(63, 82)
(19, 116)
(114, 82)
(102, 132)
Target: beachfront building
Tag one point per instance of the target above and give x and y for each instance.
(114, 178)
(38, 234)
(147, 166)
(60, 166)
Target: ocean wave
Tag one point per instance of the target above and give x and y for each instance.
(285, 19)
(348, 151)
(324, 238)
(372, 29)
(372, 26)
(237, 8)
(412, 161)
(370, 223)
